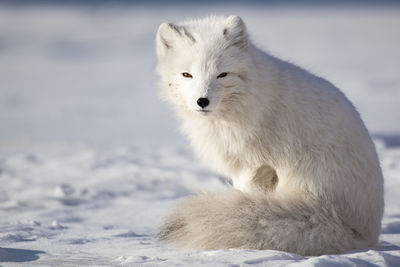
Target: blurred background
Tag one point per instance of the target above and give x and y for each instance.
(82, 72)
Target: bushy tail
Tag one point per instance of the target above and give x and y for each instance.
(238, 220)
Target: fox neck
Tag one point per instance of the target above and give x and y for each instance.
(219, 139)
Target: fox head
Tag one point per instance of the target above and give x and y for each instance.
(203, 64)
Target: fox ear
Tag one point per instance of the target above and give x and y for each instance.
(168, 35)
(235, 32)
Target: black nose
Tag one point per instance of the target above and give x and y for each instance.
(203, 102)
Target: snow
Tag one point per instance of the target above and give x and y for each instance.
(91, 160)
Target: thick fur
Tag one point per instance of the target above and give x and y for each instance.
(305, 171)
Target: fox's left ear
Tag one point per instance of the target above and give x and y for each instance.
(235, 32)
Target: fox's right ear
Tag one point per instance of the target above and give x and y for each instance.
(167, 35)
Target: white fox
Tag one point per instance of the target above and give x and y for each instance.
(305, 172)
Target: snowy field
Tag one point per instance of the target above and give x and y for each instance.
(91, 160)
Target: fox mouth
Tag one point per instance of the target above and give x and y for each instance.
(203, 111)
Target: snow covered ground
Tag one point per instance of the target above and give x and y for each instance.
(90, 160)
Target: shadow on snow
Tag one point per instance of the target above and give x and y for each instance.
(18, 255)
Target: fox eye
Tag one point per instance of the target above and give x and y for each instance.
(222, 75)
(187, 75)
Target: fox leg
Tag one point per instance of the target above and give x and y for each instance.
(263, 178)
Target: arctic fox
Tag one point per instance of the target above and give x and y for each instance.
(305, 173)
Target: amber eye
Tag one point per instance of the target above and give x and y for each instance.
(222, 75)
(187, 75)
